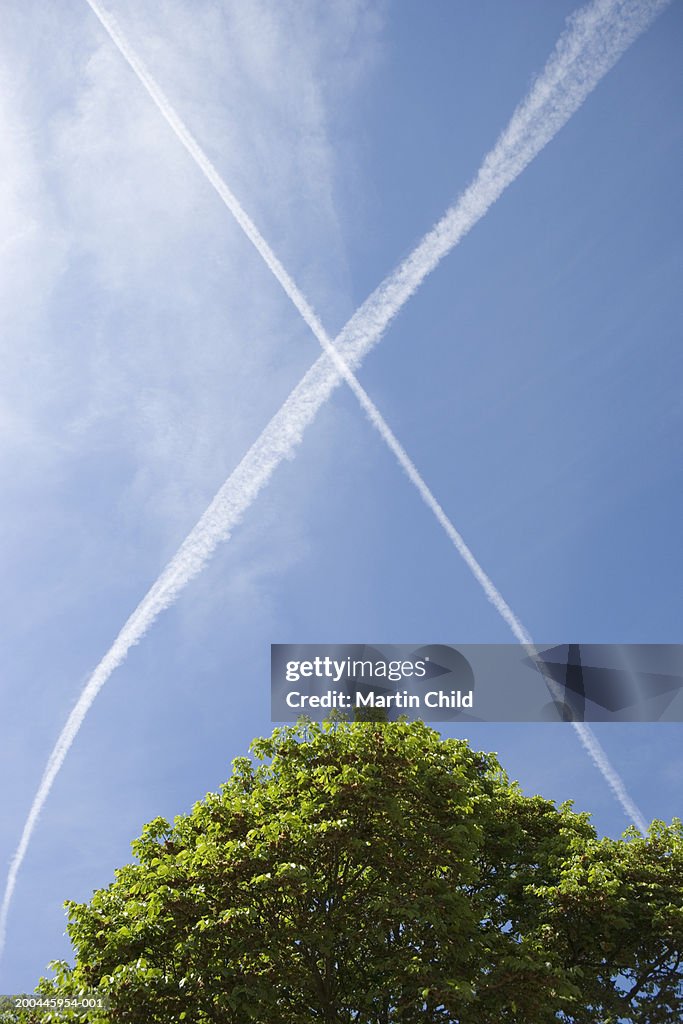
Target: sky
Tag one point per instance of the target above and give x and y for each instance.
(534, 379)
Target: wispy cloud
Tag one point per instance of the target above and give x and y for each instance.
(149, 333)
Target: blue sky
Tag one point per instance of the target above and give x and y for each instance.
(534, 379)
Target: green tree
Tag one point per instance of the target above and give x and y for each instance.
(368, 873)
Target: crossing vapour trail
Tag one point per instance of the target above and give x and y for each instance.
(594, 40)
(596, 37)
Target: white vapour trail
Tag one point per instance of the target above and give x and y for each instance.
(594, 40)
(596, 37)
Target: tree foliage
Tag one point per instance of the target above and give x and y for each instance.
(370, 873)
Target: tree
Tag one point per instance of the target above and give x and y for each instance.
(373, 873)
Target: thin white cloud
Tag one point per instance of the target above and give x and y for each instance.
(160, 323)
(260, 105)
(32, 244)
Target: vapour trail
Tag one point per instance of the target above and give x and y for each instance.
(592, 43)
(596, 37)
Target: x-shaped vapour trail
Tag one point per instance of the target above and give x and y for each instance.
(595, 38)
